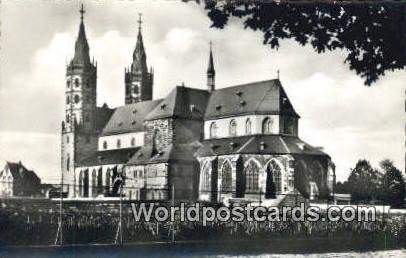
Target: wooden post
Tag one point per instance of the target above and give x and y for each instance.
(173, 205)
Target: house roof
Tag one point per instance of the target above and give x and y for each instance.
(129, 118)
(106, 157)
(264, 97)
(20, 172)
(181, 102)
(257, 144)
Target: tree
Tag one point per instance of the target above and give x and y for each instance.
(363, 182)
(373, 33)
(342, 188)
(393, 189)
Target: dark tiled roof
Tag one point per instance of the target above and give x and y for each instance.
(178, 152)
(181, 102)
(265, 97)
(118, 156)
(129, 118)
(103, 115)
(19, 172)
(257, 144)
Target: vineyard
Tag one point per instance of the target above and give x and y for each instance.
(35, 222)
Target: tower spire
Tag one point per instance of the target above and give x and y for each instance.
(211, 73)
(139, 55)
(138, 81)
(81, 46)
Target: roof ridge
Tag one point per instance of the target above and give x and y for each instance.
(246, 84)
(284, 144)
(246, 144)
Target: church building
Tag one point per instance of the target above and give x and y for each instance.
(237, 142)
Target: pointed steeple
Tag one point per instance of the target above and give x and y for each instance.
(139, 64)
(138, 81)
(81, 46)
(211, 73)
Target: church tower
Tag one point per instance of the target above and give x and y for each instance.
(78, 127)
(138, 81)
(211, 73)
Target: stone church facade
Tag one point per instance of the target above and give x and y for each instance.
(238, 142)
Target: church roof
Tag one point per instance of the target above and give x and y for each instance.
(106, 157)
(103, 115)
(129, 118)
(181, 102)
(174, 152)
(264, 97)
(258, 144)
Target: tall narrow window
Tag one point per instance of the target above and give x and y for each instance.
(76, 82)
(213, 130)
(108, 180)
(68, 163)
(105, 145)
(248, 126)
(273, 180)
(233, 128)
(251, 174)
(267, 125)
(206, 178)
(94, 183)
(133, 141)
(226, 177)
(118, 143)
(67, 100)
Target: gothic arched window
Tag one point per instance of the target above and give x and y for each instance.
(77, 99)
(94, 182)
(233, 128)
(226, 177)
(251, 175)
(108, 180)
(76, 82)
(104, 145)
(67, 100)
(81, 183)
(118, 143)
(248, 125)
(274, 177)
(266, 125)
(213, 130)
(133, 141)
(68, 84)
(206, 177)
(67, 118)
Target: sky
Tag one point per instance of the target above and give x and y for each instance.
(350, 120)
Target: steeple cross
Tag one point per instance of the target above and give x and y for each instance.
(82, 12)
(278, 72)
(139, 20)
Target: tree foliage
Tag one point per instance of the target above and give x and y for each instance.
(363, 182)
(374, 33)
(393, 189)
